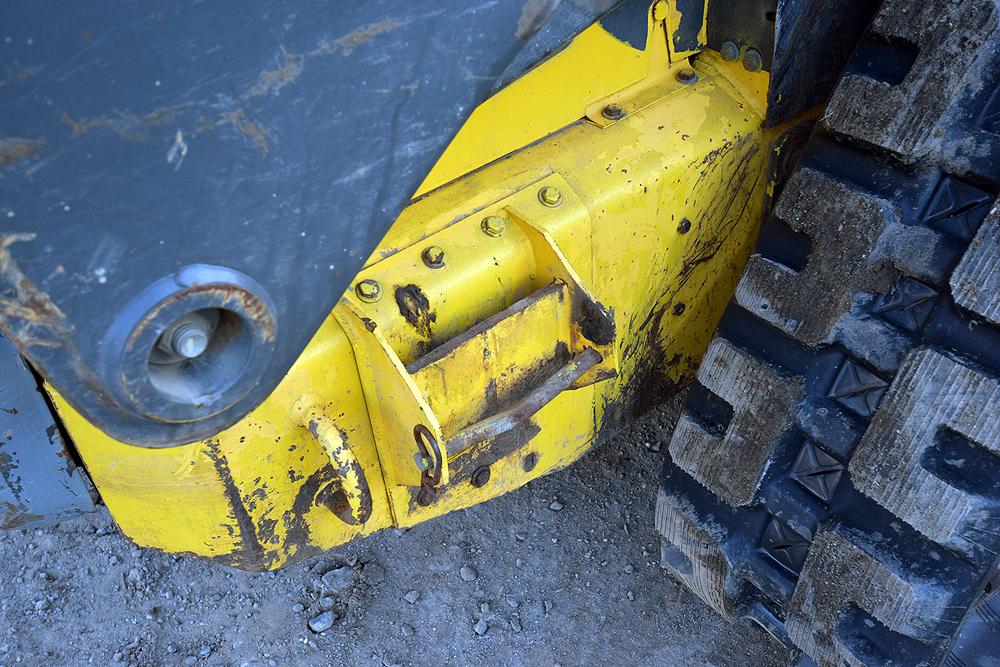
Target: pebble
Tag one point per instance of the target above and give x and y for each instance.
(338, 580)
(171, 648)
(323, 622)
(412, 597)
(205, 651)
(547, 606)
(484, 608)
(481, 627)
(630, 595)
(408, 630)
(519, 562)
(298, 607)
(467, 573)
(326, 603)
(629, 569)
(190, 660)
(555, 506)
(515, 625)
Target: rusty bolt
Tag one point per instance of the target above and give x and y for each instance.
(684, 226)
(550, 196)
(480, 476)
(679, 308)
(730, 51)
(368, 291)
(752, 60)
(494, 225)
(613, 112)
(530, 461)
(687, 75)
(433, 256)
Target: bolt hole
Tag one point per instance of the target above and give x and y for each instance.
(199, 355)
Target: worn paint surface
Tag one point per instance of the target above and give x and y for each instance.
(614, 268)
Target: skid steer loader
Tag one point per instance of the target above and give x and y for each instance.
(275, 278)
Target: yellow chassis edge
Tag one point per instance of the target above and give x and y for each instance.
(511, 316)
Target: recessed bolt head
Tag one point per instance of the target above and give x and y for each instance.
(480, 476)
(687, 75)
(190, 340)
(530, 461)
(613, 112)
(684, 226)
(679, 308)
(752, 60)
(368, 290)
(494, 225)
(730, 51)
(433, 256)
(550, 196)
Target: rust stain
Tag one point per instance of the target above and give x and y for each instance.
(15, 149)
(271, 81)
(27, 313)
(256, 133)
(130, 127)
(352, 40)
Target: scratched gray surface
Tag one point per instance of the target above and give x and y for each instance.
(39, 483)
(279, 140)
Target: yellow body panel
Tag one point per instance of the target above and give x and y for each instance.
(484, 338)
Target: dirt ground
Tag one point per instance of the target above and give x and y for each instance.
(562, 572)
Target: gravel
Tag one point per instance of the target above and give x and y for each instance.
(548, 587)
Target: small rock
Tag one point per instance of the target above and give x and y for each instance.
(512, 603)
(555, 506)
(205, 651)
(323, 622)
(408, 630)
(481, 627)
(546, 606)
(467, 573)
(519, 562)
(118, 656)
(190, 660)
(298, 607)
(484, 608)
(171, 648)
(630, 595)
(412, 597)
(326, 603)
(515, 625)
(338, 580)
(391, 661)
(629, 569)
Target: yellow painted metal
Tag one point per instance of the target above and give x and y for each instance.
(539, 337)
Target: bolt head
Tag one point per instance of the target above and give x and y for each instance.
(190, 340)
(368, 290)
(729, 51)
(494, 225)
(752, 60)
(687, 75)
(613, 111)
(550, 196)
(530, 461)
(433, 256)
(684, 226)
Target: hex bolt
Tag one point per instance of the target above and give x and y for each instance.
(530, 461)
(550, 196)
(730, 51)
(494, 225)
(752, 60)
(368, 291)
(189, 340)
(480, 476)
(613, 112)
(433, 256)
(679, 308)
(687, 75)
(684, 226)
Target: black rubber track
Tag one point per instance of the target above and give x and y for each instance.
(836, 474)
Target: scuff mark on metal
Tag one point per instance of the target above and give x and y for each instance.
(249, 554)
(415, 308)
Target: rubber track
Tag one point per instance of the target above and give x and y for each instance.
(836, 474)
